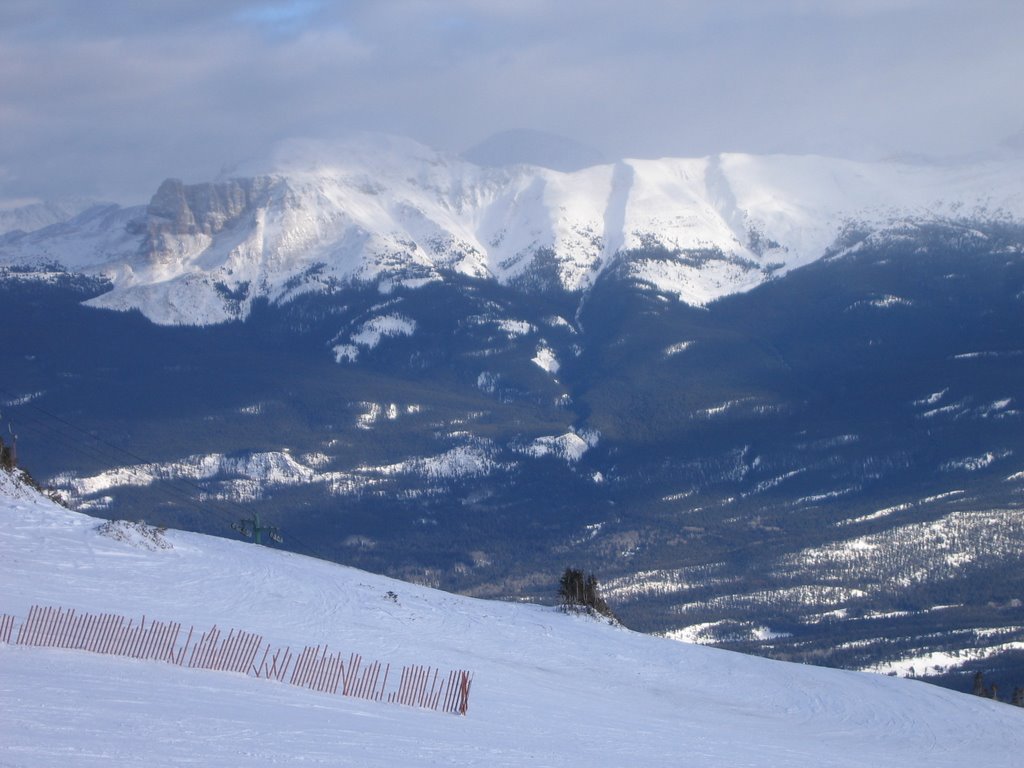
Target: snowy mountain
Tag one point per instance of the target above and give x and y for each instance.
(547, 688)
(387, 211)
(36, 215)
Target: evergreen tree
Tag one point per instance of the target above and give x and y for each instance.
(7, 458)
(577, 590)
(978, 689)
(571, 587)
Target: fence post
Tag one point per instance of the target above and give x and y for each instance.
(464, 694)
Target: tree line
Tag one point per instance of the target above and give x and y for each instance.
(992, 691)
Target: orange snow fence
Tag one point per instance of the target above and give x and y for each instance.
(98, 633)
(233, 654)
(314, 668)
(452, 692)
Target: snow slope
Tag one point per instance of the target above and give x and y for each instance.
(387, 210)
(548, 689)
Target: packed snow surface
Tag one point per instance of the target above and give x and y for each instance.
(549, 689)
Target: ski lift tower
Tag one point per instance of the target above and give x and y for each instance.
(251, 528)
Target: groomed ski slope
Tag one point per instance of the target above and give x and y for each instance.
(548, 689)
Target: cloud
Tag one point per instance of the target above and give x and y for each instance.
(282, 19)
(108, 97)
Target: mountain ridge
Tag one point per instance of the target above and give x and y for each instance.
(388, 211)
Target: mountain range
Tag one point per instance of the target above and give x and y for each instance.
(773, 402)
(389, 212)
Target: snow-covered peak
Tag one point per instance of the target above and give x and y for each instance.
(32, 215)
(389, 210)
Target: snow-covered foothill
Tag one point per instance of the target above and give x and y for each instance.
(471, 459)
(239, 478)
(272, 468)
(569, 447)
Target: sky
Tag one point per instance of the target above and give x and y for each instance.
(107, 98)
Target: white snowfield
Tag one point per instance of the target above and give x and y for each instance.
(390, 210)
(548, 689)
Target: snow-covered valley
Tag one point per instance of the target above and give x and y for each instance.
(548, 688)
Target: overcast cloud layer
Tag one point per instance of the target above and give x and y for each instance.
(108, 97)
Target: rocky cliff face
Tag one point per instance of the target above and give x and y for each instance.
(185, 211)
(180, 209)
